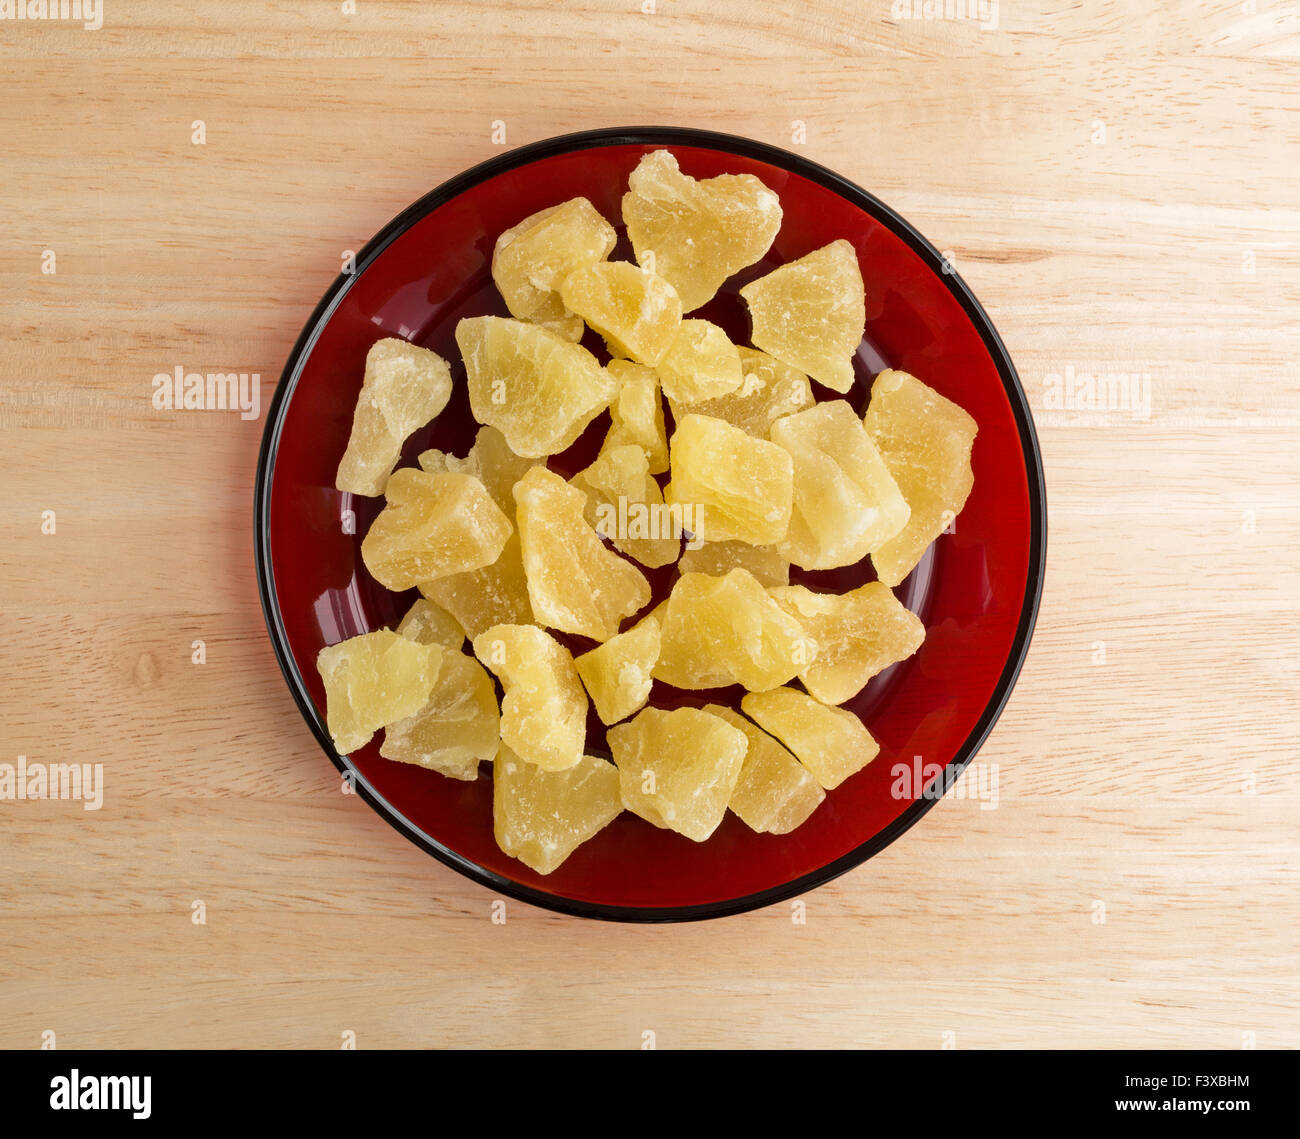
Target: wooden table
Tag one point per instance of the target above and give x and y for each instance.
(1118, 183)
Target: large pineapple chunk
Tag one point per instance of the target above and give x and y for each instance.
(718, 558)
(544, 711)
(857, 634)
(626, 506)
(490, 460)
(678, 769)
(637, 312)
(541, 817)
(404, 388)
(433, 526)
(812, 313)
(696, 234)
(735, 486)
(701, 364)
(429, 623)
(846, 503)
(829, 742)
(637, 413)
(494, 595)
(539, 389)
(926, 443)
(373, 680)
(768, 390)
(619, 673)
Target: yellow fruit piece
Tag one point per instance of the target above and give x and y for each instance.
(541, 817)
(846, 503)
(618, 674)
(490, 461)
(701, 364)
(373, 680)
(678, 769)
(544, 711)
(626, 506)
(534, 256)
(636, 312)
(433, 526)
(430, 624)
(768, 390)
(637, 413)
(575, 584)
(404, 388)
(696, 234)
(858, 634)
(775, 792)
(494, 595)
(811, 313)
(729, 484)
(717, 558)
(458, 726)
(537, 388)
(726, 630)
(829, 742)
(926, 443)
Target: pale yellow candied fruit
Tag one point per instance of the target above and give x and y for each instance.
(701, 364)
(494, 595)
(429, 623)
(768, 390)
(619, 674)
(637, 413)
(626, 506)
(717, 558)
(490, 460)
(637, 312)
(829, 742)
(372, 680)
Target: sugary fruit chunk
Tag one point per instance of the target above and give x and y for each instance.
(926, 443)
(404, 388)
(696, 234)
(775, 792)
(541, 817)
(637, 413)
(534, 256)
(701, 364)
(768, 390)
(718, 558)
(678, 769)
(618, 674)
(544, 711)
(575, 584)
(429, 623)
(857, 634)
(490, 460)
(458, 726)
(733, 485)
(494, 595)
(433, 526)
(637, 312)
(539, 389)
(626, 506)
(727, 630)
(846, 503)
(373, 680)
(829, 742)
(812, 313)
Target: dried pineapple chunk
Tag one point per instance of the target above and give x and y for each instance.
(494, 595)
(404, 388)
(541, 817)
(626, 506)
(701, 364)
(717, 558)
(812, 313)
(846, 503)
(926, 443)
(696, 234)
(637, 413)
(637, 312)
(433, 526)
(429, 623)
(618, 674)
(544, 712)
(539, 389)
(736, 486)
(575, 584)
(829, 742)
(490, 460)
(678, 769)
(775, 792)
(857, 634)
(373, 680)
(768, 390)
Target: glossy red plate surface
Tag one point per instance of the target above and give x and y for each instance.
(976, 590)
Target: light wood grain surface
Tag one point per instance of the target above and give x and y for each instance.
(1119, 183)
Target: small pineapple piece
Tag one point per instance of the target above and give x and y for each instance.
(811, 313)
(768, 390)
(430, 624)
(575, 584)
(637, 413)
(858, 634)
(539, 389)
(701, 364)
(696, 234)
(373, 680)
(541, 817)
(678, 769)
(404, 388)
(626, 506)
(717, 558)
(737, 487)
(544, 712)
(846, 503)
(494, 595)
(637, 312)
(490, 460)
(458, 726)
(926, 443)
(829, 742)
(618, 674)
(433, 526)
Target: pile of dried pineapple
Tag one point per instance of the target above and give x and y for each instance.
(504, 549)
